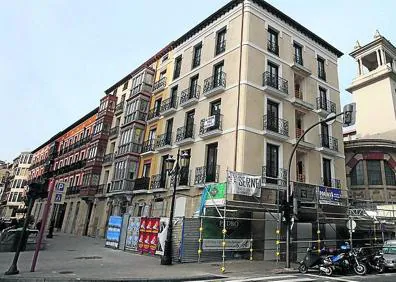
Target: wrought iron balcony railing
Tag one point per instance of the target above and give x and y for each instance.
(130, 147)
(164, 140)
(73, 190)
(167, 104)
(148, 146)
(298, 94)
(142, 183)
(185, 132)
(183, 179)
(214, 82)
(273, 47)
(326, 105)
(329, 142)
(153, 113)
(206, 174)
(274, 175)
(75, 145)
(159, 84)
(299, 132)
(135, 116)
(189, 94)
(158, 181)
(277, 125)
(301, 177)
(210, 124)
(276, 82)
(220, 47)
(331, 183)
(298, 59)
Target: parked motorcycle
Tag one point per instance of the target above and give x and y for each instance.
(373, 259)
(312, 259)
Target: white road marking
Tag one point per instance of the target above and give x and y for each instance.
(295, 280)
(331, 278)
(263, 278)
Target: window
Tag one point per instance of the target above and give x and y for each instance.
(193, 93)
(374, 172)
(197, 55)
(219, 75)
(176, 71)
(162, 74)
(189, 132)
(357, 174)
(273, 46)
(321, 69)
(272, 163)
(211, 163)
(389, 174)
(327, 172)
(184, 171)
(221, 41)
(273, 74)
(125, 85)
(151, 136)
(164, 58)
(146, 170)
(157, 106)
(298, 54)
(272, 116)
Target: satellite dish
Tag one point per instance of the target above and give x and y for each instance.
(330, 122)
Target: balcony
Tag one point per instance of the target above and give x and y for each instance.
(135, 116)
(153, 115)
(214, 85)
(274, 176)
(298, 101)
(185, 135)
(303, 143)
(300, 177)
(73, 190)
(75, 145)
(88, 191)
(157, 183)
(122, 186)
(206, 174)
(331, 183)
(114, 132)
(141, 88)
(328, 144)
(108, 159)
(119, 108)
(101, 190)
(273, 47)
(211, 126)
(164, 142)
(275, 85)
(298, 66)
(141, 185)
(159, 85)
(129, 148)
(169, 106)
(276, 128)
(190, 96)
(148, 147)
(324, 106)
(183, 179)
(67, 168)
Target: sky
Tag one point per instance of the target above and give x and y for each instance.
(58, 57)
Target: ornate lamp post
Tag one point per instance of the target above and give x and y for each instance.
(173, 169)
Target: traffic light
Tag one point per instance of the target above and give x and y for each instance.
(286, 210)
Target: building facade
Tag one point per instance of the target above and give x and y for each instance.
(6, 177)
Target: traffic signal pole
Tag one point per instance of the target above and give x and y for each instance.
(43, 223)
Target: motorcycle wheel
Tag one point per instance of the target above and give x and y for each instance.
(381, 268)
(329, 271)
(303, 268)
(360, 269)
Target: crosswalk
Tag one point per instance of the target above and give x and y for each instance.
(275, 278)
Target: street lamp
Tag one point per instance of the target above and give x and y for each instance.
(288, 214)
(173, 169)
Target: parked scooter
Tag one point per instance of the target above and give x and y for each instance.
(312, 259)
(373, 259)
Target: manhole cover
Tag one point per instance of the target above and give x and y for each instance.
(92, 257)
(66, 272)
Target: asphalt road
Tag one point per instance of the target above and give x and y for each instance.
(297, 277)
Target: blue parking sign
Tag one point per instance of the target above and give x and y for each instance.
(60, 187)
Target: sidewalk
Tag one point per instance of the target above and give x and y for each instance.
(70, 258)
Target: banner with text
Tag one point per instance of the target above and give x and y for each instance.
(243, 184)
(329, 196)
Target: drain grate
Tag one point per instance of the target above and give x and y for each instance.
(66, 272)
(92, 257)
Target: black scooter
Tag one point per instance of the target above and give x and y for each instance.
(312, 259)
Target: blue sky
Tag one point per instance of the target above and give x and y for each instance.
(57, 57)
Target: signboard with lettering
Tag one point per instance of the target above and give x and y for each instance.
(113, 231)
(230, 244)
(215, 194)
(331, 196)
(59, 193)
(209, 122)
(243, 184)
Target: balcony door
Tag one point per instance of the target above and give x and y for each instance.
(215, 110)
(184, 171)
(193, 87)
(169, 126)
(157, 107)
(272, 116)
(273, 71)
(189, 124)
(211, 162)
(325, 134)
(272, 163)
(323, 98)
(218, 73)
(151, 137)
(326, 172)
(163, 172)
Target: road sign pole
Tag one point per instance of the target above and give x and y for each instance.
(43, 223)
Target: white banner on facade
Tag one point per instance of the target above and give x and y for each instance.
(209, 122)
(230, 244)
(243, 184)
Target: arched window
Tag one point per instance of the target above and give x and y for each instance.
(389, 174)
(357, 174)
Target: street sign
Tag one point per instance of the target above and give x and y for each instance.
(60, 187)
(351, 224)
(58, 198)
(59, 193)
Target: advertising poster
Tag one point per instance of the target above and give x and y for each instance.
(244, 184)
(113, 231)
(133, 233)
(329, 196)
(148, 235)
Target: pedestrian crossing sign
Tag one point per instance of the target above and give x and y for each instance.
(58, 198)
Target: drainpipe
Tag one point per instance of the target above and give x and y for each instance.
(239, 86)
